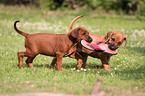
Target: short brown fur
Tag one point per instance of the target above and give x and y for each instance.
(113, 38)
(57, 45)
(118, 37)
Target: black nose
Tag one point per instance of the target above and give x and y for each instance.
(89, 40)
(112, 47)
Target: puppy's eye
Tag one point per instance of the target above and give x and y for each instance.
(84, 34)
(119, 43)
(113, 39)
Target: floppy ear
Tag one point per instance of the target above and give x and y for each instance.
(75, 32)
(125, 39)
(108, 36)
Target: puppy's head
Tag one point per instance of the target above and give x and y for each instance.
(115, 39)
(81, 33)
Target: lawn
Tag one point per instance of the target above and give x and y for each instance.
(128, 66)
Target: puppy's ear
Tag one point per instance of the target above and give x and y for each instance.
(125, 39)
(108, 36)
(75, 32)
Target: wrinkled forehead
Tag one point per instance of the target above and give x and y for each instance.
(84, 30)
(118, 36)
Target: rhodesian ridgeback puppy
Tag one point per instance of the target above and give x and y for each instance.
(114, 39)
(58, 45)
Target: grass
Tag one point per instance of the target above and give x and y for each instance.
(128, 66)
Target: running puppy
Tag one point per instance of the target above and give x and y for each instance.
(57, 45)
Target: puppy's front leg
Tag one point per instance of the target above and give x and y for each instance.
(105, 62)
(79, 59)
(107, 67)
(53, 62)
(59, 57)
(84, 58)
(104, 66)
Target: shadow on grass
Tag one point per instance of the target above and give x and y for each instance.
(41, 65)
(135, 73)
(64, 65)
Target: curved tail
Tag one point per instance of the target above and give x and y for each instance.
(71, 24)
(18, 31)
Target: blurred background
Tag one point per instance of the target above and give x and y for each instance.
(119, 7)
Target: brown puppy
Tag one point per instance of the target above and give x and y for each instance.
(57, 45)
(114, 40)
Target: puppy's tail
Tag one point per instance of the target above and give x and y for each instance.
(18, 31)
(71, 24)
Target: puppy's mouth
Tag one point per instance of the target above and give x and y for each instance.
(89, 40)
(112, 46)
(98, 46)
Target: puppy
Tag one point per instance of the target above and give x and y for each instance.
(114, 39)
(57, 45)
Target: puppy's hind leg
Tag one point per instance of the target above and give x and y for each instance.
(29, 61)
(31, 54)
(21, 55)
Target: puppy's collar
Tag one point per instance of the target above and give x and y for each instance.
(74, 40)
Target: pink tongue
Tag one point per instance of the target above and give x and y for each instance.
(95, 46)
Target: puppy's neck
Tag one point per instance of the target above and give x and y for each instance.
(74, 40)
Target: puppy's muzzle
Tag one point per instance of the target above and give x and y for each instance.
(112, 46)
(89, 40)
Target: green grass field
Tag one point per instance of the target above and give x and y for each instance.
(128, 66)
